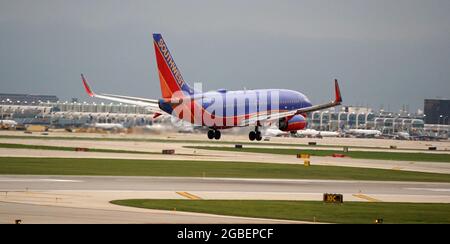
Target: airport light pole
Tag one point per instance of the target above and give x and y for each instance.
(439, 124)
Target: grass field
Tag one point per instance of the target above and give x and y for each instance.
(57, 148)
(399, 156)
(126, 167)
(348, 212)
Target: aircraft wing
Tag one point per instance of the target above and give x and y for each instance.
(270, 117)
(151, 104)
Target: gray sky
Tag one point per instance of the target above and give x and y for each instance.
(383, 51)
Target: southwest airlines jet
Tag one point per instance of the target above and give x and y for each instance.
(221, 109)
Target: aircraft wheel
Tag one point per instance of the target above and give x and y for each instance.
(217, 135)
(258, 136)
(252, 135)
(211, 134)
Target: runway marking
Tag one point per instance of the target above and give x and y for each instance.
(365, 197)
(38, 180)
(188, 195)
(429, 189)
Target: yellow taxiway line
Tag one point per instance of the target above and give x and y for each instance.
(188, 195)
(365, 197)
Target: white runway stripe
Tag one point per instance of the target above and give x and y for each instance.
(38, 180)
(430, 189)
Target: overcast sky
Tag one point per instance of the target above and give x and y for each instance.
(383, 52)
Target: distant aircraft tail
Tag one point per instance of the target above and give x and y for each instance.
(170, 77)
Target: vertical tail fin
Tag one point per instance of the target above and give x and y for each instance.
(170, 77)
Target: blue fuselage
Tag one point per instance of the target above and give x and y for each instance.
(243, 103)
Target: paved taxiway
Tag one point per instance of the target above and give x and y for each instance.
(241, 136)
(85, 199)
(52, 214)
(205, 155)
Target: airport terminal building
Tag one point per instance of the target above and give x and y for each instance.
(9, 98)
(57, 114)
(387, 123)
(63, 114)
(437, 111)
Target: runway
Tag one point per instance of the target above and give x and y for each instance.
(85, 199)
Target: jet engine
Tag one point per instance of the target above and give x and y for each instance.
(294, 123)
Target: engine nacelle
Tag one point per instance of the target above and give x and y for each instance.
(296, 122)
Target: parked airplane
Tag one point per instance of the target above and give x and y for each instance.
(364, 132)
(108, 126)
(6, 123)
(221, 109)
(274, 131)
(315, 133)
(402, 136)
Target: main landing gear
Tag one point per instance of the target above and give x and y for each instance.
(255, 135)
(214, 134)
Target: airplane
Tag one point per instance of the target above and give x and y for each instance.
(402, 136)
(315, 133)
(7, 123)
(221, 109)
(364, 132)
(273, 131)
(108, 126)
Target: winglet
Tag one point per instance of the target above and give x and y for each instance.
(337, 91)
(86, 87)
